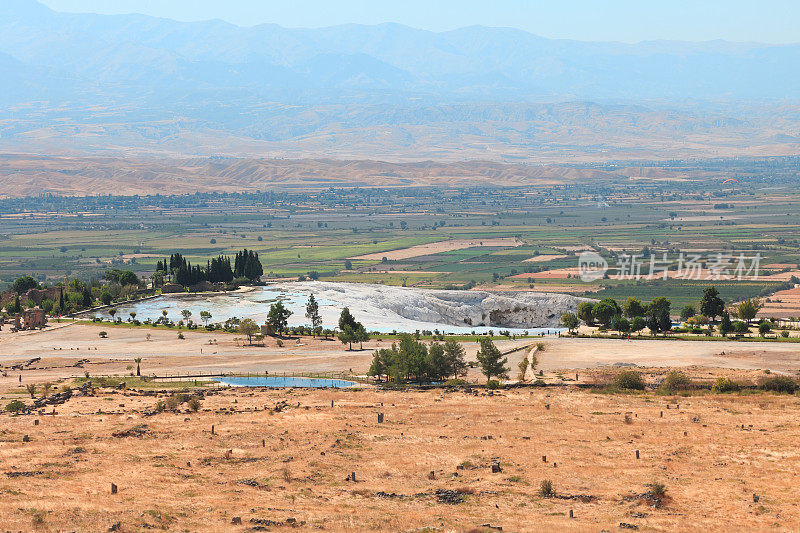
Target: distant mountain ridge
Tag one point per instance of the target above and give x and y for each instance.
(473, 62)
(134, 84)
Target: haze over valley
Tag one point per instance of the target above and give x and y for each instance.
(74, 84)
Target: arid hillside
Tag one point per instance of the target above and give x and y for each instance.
(27, 175)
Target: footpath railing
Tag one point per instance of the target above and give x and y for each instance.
(319, 375)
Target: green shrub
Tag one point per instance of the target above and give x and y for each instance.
(492, 384)
(629, 380)
(455, 383)
(676, 381)
(172, 403)
(785, 334)
(15, 406)
(546, 489)
(779, 384)
(194, 404)
(656, 490)
(722, 385)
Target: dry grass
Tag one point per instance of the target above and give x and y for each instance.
(177, 475)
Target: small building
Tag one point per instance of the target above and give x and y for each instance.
(34, 318)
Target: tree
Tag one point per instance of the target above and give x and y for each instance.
(585, 312)
(112, 312)
(360, 335)
(138, 361)
(570, 321)
(46, 389)
(638, 324)
(24, 284)
(347, 336)
(346, 319)
(348, 265)
(106, 297)
(31, 388)
(454, 355)
(312, 313)
(633, 308)
(62, 305)
(132, 315)
(711, 305)
(248, 327)
(123, 277)
(658, 317)
(605, 310)
(741, 327)
(620, 323)
(86, 297)
(437, 362)
(491, 360)
(247, 265)
(205, 316)
(725, 325)
(278, 317)
(382, 361)
(15, 306)
(413, 359)
(186, 314)
(748, 309)
(688, 312)
(764, 327)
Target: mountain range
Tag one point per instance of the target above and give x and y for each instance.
(85, 82)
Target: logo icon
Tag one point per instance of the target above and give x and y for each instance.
(591, 266)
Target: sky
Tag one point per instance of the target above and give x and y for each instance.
(769, 21)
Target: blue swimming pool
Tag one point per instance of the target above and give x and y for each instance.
(277, 381)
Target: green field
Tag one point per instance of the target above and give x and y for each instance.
(295, 234)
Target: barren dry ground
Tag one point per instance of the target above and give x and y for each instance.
(713, 453)
(277, 455)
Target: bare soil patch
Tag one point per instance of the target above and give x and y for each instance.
(441, 246)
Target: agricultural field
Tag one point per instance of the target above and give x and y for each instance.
(512, 238)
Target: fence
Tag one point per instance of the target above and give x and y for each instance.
(318, 375)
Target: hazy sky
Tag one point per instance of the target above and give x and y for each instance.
(773, 21)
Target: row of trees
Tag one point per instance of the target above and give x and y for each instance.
(246, 265)
(412, 360)
(350, 330)
(634, 315)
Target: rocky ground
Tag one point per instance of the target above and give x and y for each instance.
(446, 461)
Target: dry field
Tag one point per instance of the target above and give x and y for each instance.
(715, 455)
(441, 246)
(784, 303)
